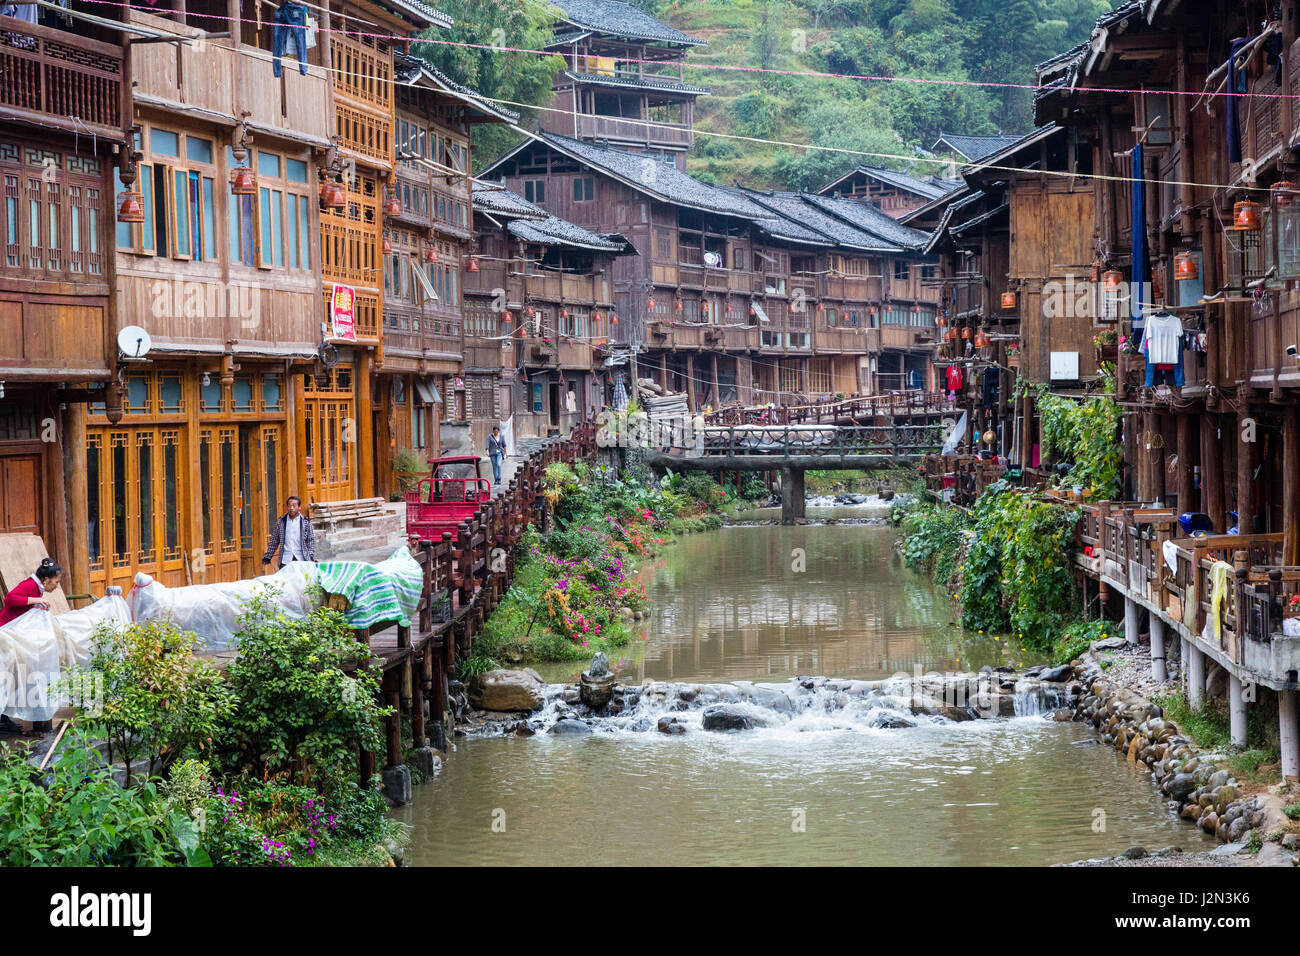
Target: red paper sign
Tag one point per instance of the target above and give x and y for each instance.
(342, 323)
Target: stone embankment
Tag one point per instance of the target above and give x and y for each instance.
(1200, 787)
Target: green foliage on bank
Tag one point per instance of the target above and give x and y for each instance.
(575, 590)
(1013, 551)
(253, 767)
(1084, 434)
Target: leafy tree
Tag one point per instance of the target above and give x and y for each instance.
(496, 62)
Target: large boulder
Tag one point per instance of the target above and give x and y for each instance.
(725, 717)
(507, 690)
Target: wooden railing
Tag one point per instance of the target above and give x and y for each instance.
(966, 476)
(61, 78)
(466, 576)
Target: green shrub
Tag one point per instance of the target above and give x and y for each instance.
(158, 701)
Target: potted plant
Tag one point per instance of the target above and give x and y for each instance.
(1291, 616)
(1107, 345)
(1013, 355)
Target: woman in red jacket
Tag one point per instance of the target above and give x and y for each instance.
(22, 597)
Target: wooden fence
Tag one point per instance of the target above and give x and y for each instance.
(466, 575)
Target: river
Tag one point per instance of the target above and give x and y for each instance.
(765, 604)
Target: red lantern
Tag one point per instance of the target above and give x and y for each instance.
(650, 303)
(387, 246)
(430, 254)
(1283, 193)
(680, 306)
(507, 316)
(1008, 300)
(471, 264)
(981, 339)
(132, 208)
(1112, 278)
(1245, 216)
(966, 333)
(941, 321)
(1185, 267)
(613, 318)
(331, 195)
(564, 313)
(393, 205)
(243, 182)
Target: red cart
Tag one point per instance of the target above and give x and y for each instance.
(437, 504)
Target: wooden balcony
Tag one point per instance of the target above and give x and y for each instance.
(228, 78)
(55, 78)
(620, 130)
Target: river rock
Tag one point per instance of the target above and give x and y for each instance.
(599, 666)
(507, 690)
(889, 720)
(1271, 854)
(726, 717)
(670, 725)
(570, 725)
(1057, 675)
(1181, 787)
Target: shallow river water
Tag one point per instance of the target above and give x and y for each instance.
(765, 604)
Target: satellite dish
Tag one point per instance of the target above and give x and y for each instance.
(134, 342)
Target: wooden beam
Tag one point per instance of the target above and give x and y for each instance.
(1291, 485)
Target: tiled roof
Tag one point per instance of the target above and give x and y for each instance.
(971, 147)
(829, 229)
(553, 231)
(410, 69)
(645, 82)
(503, 202)
(649, 176)
(869, 219)
(928, 188)
(1012, 148)
(417, 10)
(531, 223)
(620, 19)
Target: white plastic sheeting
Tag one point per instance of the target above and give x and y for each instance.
(37, 646)
(210, 610)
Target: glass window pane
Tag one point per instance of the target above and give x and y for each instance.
(92, 502)
(295, 170)
(120, 498)
(169, 391)
(197, 149)
(304, 256)
(171, 535)
(164, 142)
(291, 229)
(209, 220)
(242, 393)
(227, 490)
(277, 226)
(210, 394)
(205, 480)
(268, 164)
(182, 211)
(271, 393)
(147, 228)
(144, 485)
(264, 212)
(233, 227)
(272, 479)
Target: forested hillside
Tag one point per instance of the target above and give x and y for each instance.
(988, 41)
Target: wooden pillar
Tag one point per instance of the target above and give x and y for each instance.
(793, 504)
(78, 494)
(1027, 432)
(393, 723)
(1186, 459)
(690, 382)
(1291, 485)
(363, 448)
(1247, 459)
(1212, 472)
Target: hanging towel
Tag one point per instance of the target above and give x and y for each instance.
(387, 591)
(1170, 552)
(1220, 573)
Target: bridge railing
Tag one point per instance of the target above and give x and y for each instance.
(830, 441)
(891, 404)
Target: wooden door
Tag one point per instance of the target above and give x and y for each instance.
(20, 493)
(222, 503)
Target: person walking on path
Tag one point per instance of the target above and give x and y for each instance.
(496, 449)
(292, 536)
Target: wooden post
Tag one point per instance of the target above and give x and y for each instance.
(1291, 485)
(1247, 457)
(1288, 734)
(78, 494)
(1212, 472)
(393, 723)
(690, 382)
(1186, 478)
(363, 451)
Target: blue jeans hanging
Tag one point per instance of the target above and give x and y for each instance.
(290, 28)
(1153, 373)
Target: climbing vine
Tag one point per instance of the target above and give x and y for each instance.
(1017, 569)
(1083, 433)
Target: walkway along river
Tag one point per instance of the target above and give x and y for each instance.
(766, 604)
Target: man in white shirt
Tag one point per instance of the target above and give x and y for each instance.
(292, 535)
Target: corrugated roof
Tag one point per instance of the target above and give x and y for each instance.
(645, 82)
(620, 19)
(972, 147)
